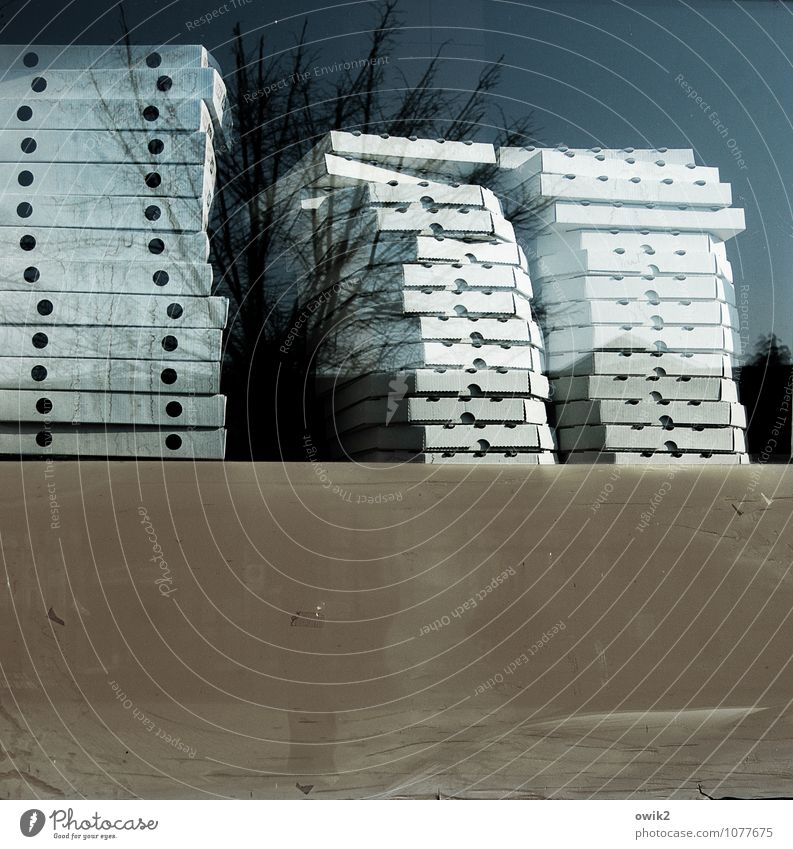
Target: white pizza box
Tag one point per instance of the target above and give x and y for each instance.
(31, 180)
(456, 157)
(660, 190)
(84, 308)
(472, 303)
(456, 438)
(396, 247)
(153, 215)
(455, 383)
(581, 263)
(120, 147)
(648, 412)
(639, 364)
(325, 262)
(579, 340)
(32, 274)
(380, 292)
(465, 276)
(656, 290)
(705, 287)
(637, 458)
(146, 343)
(350, 356)
(109, 88)
(515, 157)
(387, 412)
(112, 441)
(513, 330)
(31, 244)
(722, 224)
(110, 375)
(319, 170)
(111, 408)
(185, 116)
(330, 223)
(649, 438)
(469, 458)
(648, 242)
(550, 161)
(609, 387)
(38, 57)
(559, 315)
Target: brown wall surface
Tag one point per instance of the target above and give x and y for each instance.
(406, 631)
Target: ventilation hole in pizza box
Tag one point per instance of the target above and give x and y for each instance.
(666, 422)
(173, 409)
(24, 210)
(43, 438)
(38, 373)
(44, 405)
(652, 297)
(25, 178)
(39, 84)
(656, 396)
(151, 113)
(44, 307)
(659, 371)
(479, 363)
(31, 274)
(164, 83)
(152, 180)
(24, 113)
(40, 340)
(156, 246)
(173, 441)
(152, 213)
(160, 278)
(170, 343)
(28, 145)
(474, 390)
(467, 418)
(175, 310)
(156, 146)
(30, 60)
(168, 376)
(154, 60)
(483, 446)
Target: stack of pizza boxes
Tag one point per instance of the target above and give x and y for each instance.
(638, 302)
(110, 342)
(415, 300)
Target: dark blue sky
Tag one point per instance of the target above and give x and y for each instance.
(599, 72)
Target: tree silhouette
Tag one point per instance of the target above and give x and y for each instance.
(282, 108)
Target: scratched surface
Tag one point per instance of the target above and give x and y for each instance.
(257, 631)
